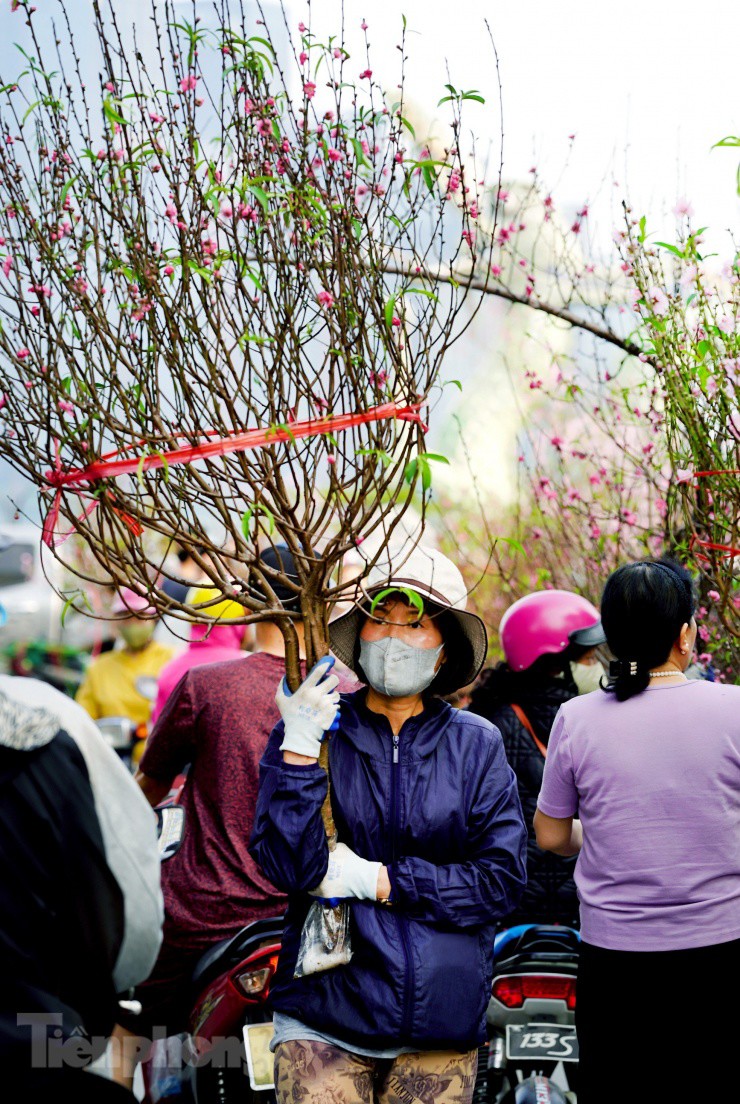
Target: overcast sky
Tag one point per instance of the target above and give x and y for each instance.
(646, 86)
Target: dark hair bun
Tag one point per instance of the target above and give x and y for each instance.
(643, 607)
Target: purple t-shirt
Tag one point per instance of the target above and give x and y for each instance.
(655, 781)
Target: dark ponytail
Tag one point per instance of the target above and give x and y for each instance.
(643, 607)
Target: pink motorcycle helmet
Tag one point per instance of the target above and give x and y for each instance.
(546, 623)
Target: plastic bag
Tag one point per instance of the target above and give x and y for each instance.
(325, 939)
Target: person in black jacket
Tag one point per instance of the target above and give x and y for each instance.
(63, 917)
(549, 640)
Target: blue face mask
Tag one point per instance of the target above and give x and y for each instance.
(396, 669)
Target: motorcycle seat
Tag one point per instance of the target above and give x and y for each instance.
(231, 951)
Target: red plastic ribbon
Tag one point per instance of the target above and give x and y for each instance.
(725, 549)
(108, 467)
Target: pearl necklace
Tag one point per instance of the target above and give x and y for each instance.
(667, 674)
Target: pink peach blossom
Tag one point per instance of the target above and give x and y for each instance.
(683, 207)
(658, 300)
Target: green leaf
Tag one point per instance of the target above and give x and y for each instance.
(165, 465)
(408, 125)
(274, 429)
(70, 604)
(384, 457)
(261, 195)
(65, 190)
(263, 42)
(426, 473)
(253, 511)
(435, 456)
(422, 291)
(390, 308)
(204, 272)
(111, 113)
(513, 543)
(730, 140)
(457, 384)
(31, 108)
(643, 224)
(671, 249)
(256, 338)
(409, 472)
(359, 151)
(413, 598)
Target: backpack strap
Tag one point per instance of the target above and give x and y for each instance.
(528, 725)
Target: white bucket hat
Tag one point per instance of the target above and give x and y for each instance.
(435, 577)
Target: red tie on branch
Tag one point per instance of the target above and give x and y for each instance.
(109, 467)
(726, 549)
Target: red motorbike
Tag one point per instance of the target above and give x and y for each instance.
(224, 1057)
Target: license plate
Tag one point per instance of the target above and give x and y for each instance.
(260, 1059)
(541, 1040)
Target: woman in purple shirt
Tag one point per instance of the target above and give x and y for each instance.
(642, 782)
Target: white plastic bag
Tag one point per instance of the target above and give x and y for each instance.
(325, 939)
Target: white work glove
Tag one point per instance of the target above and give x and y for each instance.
(310, 711)
(347, 875)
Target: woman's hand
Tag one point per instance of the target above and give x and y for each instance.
(348, 875)
(383, 888)
(309, 712)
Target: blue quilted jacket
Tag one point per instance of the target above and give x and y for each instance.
(438, 805)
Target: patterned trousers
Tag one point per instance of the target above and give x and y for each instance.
(309, 1072)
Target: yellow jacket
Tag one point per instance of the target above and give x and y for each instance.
(109, 688)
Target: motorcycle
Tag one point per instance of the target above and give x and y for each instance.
(225, 1055)
(126, 737)
(531, 1054)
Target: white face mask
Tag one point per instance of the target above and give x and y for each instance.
(396, 669)
(587, 676)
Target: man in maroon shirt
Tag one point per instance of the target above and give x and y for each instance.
(217, 720)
